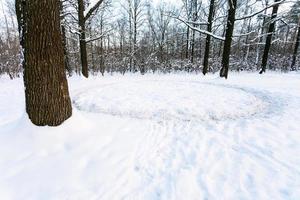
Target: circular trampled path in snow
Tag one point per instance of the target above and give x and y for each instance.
(169, 100)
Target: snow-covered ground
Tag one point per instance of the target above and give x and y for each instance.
(168, 137)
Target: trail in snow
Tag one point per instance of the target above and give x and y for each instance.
(182, 140)
(161, 137)
(170, 100)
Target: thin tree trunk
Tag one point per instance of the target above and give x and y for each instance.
(246, 41)
(21, 14)
(134, 41)
(102, 67)
(82, 41)
(130, 35)
(93, 58)
(269, 39)
(258, 50)
(228, 38)
(194, 18)
(193, 46)
(46, 88)
(182, 47)
(208, 37)
(187, 43)
(296, 47)
(64, 39)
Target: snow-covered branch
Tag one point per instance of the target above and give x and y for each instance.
(198, 29)
(260, 11)
(92, 9)
(87, 40)
(244, 34)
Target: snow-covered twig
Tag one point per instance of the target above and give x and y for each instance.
(198, 29)
(260, 11)
(244, 34)
(87, 40)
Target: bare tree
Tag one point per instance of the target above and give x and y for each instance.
(82, 19)
(228, 38)
(125, 43)
(195, 9)
(269, 38)
(159, 27)
(208, 37)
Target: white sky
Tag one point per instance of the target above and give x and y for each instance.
(176, 3)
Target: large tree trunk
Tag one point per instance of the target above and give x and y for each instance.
(228, 38)
(208, 37)
(269, 39)
(82, 41)
(296, 47)
(46, 87)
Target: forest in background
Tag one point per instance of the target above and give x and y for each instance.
(140, 36)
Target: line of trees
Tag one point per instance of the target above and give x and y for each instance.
(76, 36)
(137, 36)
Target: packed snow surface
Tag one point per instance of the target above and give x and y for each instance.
(157, 137)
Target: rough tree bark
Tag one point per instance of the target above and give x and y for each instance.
(46, 88)
(208, 37)
(269, 39)
(296, 47)
(64, 40)
(228, 38)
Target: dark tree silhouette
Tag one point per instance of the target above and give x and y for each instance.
(208, 37)
(269, 38)
(228, 38)
(296, 47)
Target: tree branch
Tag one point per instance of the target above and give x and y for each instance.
(92, 9)
(260, 11)
(200, 30)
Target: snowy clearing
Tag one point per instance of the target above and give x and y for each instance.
(180, 137)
